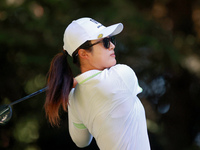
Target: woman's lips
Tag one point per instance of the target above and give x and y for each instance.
(112, 55)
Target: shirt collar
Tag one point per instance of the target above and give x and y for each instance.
(87, 76)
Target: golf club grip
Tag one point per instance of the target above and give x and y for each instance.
(29, 96)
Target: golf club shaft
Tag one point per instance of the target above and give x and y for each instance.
(28, 96)
(6, 108)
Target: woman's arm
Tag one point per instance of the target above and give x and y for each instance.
(78, 132)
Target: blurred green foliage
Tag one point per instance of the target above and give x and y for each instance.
(159, 42)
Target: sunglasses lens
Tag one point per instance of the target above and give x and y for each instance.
(106, 41)
(113, 40)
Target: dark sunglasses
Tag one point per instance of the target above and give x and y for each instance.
(106, 42)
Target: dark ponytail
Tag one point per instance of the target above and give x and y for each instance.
(60, 83)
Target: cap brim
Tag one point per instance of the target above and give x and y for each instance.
(109, 31)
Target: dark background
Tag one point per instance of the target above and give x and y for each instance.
(160, 41)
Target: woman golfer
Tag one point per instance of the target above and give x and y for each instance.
(102, 101)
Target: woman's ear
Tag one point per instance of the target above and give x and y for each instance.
(83, 53)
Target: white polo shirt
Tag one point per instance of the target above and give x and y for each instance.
(104, 105)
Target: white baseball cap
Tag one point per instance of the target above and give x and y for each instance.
(84, 29)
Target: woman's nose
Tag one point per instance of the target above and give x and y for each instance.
(112, 46)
